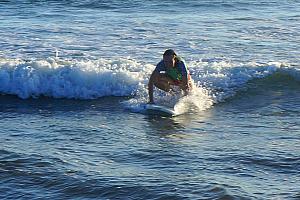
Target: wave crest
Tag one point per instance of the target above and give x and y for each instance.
(70, 79)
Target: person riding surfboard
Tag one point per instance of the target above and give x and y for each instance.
(170, 71)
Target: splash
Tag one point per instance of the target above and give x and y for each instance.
(198, 100)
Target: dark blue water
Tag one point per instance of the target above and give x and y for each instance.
(244, 148)
(73, 74)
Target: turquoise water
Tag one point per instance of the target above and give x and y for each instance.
(73, 75)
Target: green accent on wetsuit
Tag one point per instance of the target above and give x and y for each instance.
(174, 74)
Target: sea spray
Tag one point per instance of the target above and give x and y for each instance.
(198, 99)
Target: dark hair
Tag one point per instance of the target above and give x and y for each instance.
(170, 52)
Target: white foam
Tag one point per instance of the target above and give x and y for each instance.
(198, 100)
(224, 78)
(71, 79)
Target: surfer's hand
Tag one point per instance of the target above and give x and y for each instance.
(186, 92)
(150, 102)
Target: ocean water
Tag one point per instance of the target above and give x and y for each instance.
(73, 78)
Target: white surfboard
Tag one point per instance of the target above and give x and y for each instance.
(159, 109)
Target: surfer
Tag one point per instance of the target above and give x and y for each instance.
(170, 71)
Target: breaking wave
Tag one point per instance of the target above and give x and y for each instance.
(215, 80)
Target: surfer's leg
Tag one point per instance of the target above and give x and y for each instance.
(186, 89)
(164, 83)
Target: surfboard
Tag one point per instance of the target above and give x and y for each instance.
(160, 109)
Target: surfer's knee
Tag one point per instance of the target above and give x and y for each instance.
(157, 79)
(153, 80)
(162, 84)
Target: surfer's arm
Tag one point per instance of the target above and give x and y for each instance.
(185, 80)
(185, 84)
(154, 76)
(150, 87)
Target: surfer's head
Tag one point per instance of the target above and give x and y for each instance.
(169, 58)
(170, 52)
